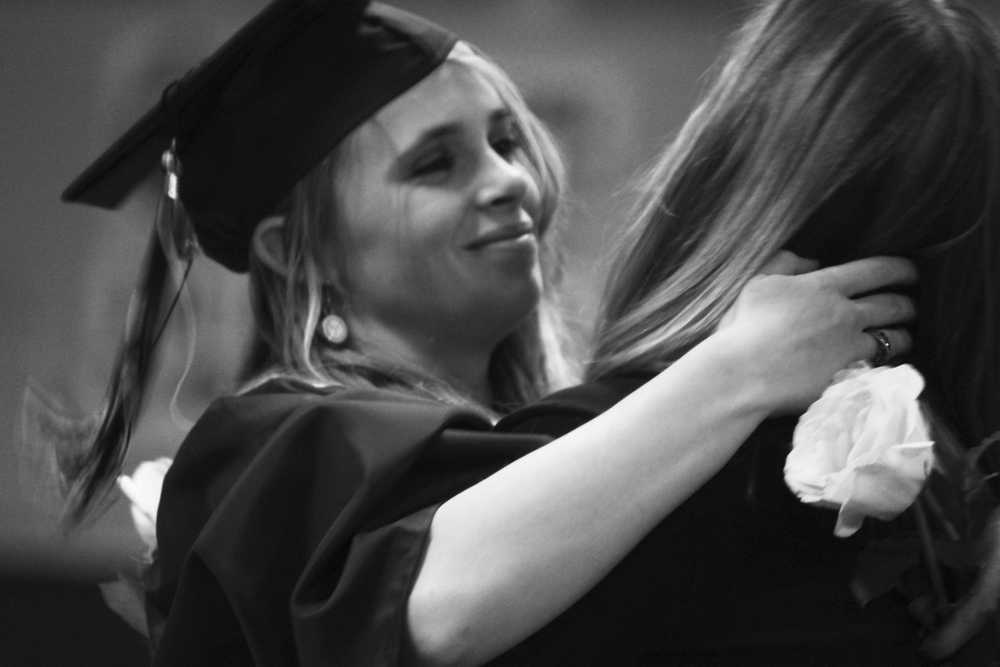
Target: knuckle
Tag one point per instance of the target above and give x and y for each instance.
(854, 312)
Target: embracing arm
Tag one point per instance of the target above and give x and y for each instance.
(512, 552)
(509, 554)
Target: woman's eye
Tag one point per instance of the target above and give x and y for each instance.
(432, 165)
(506, 146)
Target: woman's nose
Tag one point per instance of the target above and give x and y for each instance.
(502, 182)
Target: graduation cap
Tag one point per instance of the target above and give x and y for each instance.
(271, 103)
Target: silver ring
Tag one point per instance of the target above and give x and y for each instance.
(884, 350)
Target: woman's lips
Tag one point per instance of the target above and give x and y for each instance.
(502, 234)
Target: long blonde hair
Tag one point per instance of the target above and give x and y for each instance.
(839, 130)
(288, 306)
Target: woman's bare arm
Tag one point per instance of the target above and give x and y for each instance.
(512, 552)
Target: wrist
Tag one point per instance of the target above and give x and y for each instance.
(739, 372)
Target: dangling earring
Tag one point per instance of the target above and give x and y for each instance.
(334, 329)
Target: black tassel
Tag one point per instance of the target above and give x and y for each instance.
(171, 243)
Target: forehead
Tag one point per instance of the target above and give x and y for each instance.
(453, 94)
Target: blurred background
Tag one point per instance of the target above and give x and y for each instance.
(614, 80)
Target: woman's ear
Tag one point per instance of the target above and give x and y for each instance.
(268, 244)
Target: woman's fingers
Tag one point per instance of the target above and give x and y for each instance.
(880, 316)
(885, 309)
(801, 329)
(785, 263)
(883, 345)
(867, 275)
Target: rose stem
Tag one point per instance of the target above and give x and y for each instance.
(939, 514)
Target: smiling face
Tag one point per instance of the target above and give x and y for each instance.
(437, 242)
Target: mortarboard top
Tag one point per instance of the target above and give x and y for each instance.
(258, 114)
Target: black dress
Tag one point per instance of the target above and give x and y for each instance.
(740, 574)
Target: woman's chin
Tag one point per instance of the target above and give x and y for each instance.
(519, 302)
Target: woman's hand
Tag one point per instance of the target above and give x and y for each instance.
(797, 326)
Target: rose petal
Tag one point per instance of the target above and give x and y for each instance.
(143, 490)
(145, 525)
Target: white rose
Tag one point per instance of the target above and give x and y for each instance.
(143, 491)
(864, 447)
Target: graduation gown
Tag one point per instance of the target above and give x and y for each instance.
(292, 523)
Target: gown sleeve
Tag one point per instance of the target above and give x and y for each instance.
(292, 525)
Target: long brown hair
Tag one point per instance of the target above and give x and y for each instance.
(839, 130)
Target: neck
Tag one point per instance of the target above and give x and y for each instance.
(462, 364)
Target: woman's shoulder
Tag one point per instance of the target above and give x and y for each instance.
(278, 399)
(282, 409)
(279, 395)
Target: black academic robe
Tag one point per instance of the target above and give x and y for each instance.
(292, 523)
